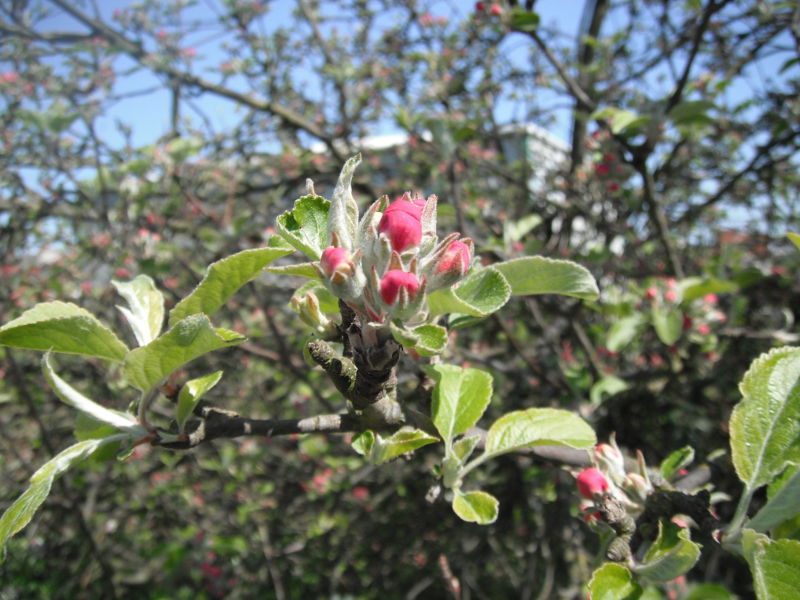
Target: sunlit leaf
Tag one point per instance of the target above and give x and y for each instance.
(305, 227)
(475, 507)
(538, 426)
(145, 312)
(539, 275)
(460, 397)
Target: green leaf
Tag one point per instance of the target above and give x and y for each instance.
(62, 327)
(614, 582)
(536, 427)
(185, 341)
(795, 238)
(523, 20)
(623, 331)
(775, 565)
(709, 591)
(478, 295)
(691, 112)
(514, 231)
(191, 393)
(475, 507)
(146, 312)
(223, 279)
(363, 442)
(622, 122)
(460, 397)
(668, 324)
(305, 227)
(306, 269)
(406, 439)
(609, 385)
(782, 506)
(765, 424)
(695, 287)
(431, 339)
(676, 461)
(343, 215)
(19, 514)
(672, 554)
(464, 447)
(540, 275)
(75, 399)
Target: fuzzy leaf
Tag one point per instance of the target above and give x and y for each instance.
(185, 341)
(62, 327)
(671, 554)
(782, 506)
(305, 227)
(539, 275)
(775, 565)
(765, 425)
(431, 339)
(19, 514)
(191, 393)
(538, 426)
(614, 582)
(223, 279)
(478, 295)
(460, 397)
(475, 507)
(406, 439)
(343, 214)
(145, 314)
(676, 461)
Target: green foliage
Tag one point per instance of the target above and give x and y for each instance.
(188, 339)
(145, 314)
(672, 554)
(775, 565)
(540, 275)
(460, 398)
(222, 280)
(305, 227)
(765, 425)
(62, 327)
(538, 426)
(475, 507)
(614, 582)
(190, 395)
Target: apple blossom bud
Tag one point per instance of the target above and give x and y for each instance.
(308, 309)
(396, 280)
(402, 223)
(455, 259)
(590, 482)
(336, 263)
(610, 459)
(637, 487)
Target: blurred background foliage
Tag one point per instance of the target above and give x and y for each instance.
(157, 137)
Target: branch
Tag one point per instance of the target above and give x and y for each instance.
(135, 50)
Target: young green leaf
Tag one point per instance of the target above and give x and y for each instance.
(478, 295)
(19, 514)
(782, 506)
(795, 238)
(343, 214)
(538, 426)
(146, 312)
(623, 331)
(62, 327)
(676, 461)
(623, 122)
(191, 393)
(463, 447)
(431, 339)
(305, 227)
(672, 554)
(223, 279)
(475, 507)
(459, 398)
(185, 341)
(306, 269)
(609, 385)
(614, 582)
(406, 439)
(539, 275)
(775, 565)
(765, 424)
(363, 442)
(668, 324)
(75, 399)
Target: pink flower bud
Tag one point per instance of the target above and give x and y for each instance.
(591, 482)
(336, 263)
(403, 229)
(396, 280)
(651, 293)
(402, 223)
(610, 458)
(455, 259)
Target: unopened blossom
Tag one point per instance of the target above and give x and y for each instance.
(590, 482)
(394, 281)
(336, 263)
(455, 259)
(402, 223)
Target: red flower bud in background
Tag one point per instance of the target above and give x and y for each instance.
(455, 259)
(480, 7)
(396, 280)
(651, 293)
(402, 223)
(601, 169)
(591, 482)
(336, 263)
(496, 10)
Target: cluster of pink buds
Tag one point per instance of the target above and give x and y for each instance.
(609, 477)
(385, 263)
